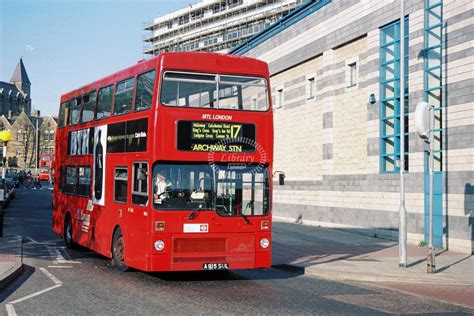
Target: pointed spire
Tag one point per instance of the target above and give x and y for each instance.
(20, 75)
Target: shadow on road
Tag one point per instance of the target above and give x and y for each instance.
(197, 276)
(28, 271)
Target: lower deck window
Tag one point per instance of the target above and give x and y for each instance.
(84, 181)
(120, 184)
(71, 180)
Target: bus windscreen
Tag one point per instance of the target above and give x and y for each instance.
(214, 91)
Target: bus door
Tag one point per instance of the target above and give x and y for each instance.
(135, 214)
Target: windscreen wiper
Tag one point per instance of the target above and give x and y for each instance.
(199, 208)
(194, 212)
(249, 204)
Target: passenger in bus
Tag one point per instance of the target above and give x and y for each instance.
(161, 188)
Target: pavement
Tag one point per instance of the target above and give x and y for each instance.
(11, 262)
(350, 255)
(336, 254)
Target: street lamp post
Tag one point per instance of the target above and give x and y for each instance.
(37, 115)
(5, 136)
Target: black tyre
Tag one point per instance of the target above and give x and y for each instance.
(118, 251)
(67, 233)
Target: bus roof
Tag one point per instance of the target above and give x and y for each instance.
(195, 61)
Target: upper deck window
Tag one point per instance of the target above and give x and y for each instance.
(63, 114)
(104, 103)
(214, 91)
(88, 107)
(123, 97)
(144, 91)
(74, 111)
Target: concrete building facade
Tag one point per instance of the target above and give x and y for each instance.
(335, 69)
(213, 25)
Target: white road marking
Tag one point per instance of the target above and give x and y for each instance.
(57, 282)
(59, 266)
(48, 243)
(31, 239)
(35, 294)
(52, 277)
(10, 310)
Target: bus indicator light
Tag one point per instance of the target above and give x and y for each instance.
(160, 226)
(264, 225)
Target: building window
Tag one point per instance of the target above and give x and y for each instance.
(140, 183)
(433, 76)
(310, 88)
(390, 97)
(120, 184)
(279, 100)
(352, 74)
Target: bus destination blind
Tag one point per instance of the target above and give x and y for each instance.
(216, 136)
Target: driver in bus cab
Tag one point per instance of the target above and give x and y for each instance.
(161, 188)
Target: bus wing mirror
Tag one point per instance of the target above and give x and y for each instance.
(281, 178)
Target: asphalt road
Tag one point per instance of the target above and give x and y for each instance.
(79, 282)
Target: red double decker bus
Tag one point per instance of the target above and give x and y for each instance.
(167, 165)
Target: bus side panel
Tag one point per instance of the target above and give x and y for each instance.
(136, 237)
(58, 218)
(107, 216)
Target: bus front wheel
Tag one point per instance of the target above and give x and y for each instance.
(118, 251)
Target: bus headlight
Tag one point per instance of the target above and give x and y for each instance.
(264, 243)
(159, 245)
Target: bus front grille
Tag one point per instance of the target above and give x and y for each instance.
(200, 259)
(199, 245)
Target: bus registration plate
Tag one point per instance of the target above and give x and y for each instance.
(215, 266)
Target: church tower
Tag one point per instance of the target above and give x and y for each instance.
(22, 82)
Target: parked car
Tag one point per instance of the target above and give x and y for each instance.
(7, 191)
(10, 187)
(15, 176)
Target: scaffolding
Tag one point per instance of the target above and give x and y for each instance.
(213, 25)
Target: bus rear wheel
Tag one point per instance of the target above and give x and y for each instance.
(67, 233)
(118, 251)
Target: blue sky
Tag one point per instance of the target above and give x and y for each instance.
(73, 42)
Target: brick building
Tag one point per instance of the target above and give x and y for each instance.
(22, 146)
(335, 82)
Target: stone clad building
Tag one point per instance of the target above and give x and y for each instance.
(15, 116)
(335, 77)
(15, 96)
(22, 146)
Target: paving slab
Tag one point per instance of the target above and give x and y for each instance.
(11, 262)
(341, 254)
